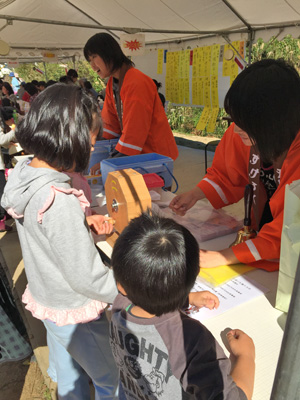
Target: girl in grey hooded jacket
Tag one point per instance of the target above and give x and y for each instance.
(68, 284)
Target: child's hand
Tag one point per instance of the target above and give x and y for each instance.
(95, 170)
(241, 344)
(204, 299)
(99, 224)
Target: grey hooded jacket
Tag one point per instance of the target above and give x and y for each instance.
(63, 267)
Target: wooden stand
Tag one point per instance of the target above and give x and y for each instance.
(127, 196)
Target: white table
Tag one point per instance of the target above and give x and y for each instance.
(258, 318)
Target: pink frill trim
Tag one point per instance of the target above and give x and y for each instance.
(80, 315)
(78, 193)
(13, 214)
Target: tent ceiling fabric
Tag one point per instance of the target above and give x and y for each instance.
(182, 19)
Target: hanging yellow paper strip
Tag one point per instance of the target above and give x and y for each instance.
(200, 86)
(194, 91)
(203, 119)
(206, 92)
(214, 91)
(215, 53)
(212, 120)
(160, 60)
(181, 90)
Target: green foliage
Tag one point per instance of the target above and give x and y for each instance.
(288, 48)
(184, 119)
(55, 71)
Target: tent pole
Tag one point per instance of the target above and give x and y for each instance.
(286, 382)
(250, 40)
(45, 69)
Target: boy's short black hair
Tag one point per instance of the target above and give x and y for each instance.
(57, 127)
(156, 261)
(264, 101)
(105, 46)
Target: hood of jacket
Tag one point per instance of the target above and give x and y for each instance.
(22, 184)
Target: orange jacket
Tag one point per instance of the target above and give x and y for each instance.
(145, 125)
(225, 182)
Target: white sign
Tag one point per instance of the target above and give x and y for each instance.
(133, 44)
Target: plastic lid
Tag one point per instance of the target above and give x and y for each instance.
(153, 181)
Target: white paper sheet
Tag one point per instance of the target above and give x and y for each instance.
(237, 291)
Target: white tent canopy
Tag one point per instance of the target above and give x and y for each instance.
(30, 27)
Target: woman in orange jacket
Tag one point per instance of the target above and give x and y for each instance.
(261, 147)
(132, 111)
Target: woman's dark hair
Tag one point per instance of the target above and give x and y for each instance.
(6, 102)
(87, 85)
(264, 101)
(156, 261)
(50, 83)
(8, 88)
(57, 127)
(66, 79)
(108, 49)
(158, 84)
(72, 73)
(31, 89)
(5, 115)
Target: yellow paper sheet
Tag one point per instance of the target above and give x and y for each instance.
(203, 119)
(212, 120)
(217, 276)
(160, 60)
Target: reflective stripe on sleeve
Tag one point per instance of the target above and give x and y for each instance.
(253, 250)
(218, 190)
(111, 132)
(130, 146)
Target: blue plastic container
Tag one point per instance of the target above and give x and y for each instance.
(143, 163)
(101, 151)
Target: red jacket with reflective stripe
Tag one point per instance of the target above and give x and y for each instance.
(145, 125)
(225, 182)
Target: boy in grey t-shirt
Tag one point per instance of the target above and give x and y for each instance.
(161, 353)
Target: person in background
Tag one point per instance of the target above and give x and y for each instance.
(261, 147)
(7, 139)
(68, 284)
(89, 88)
(15, 82)
(31, 92)
(161, 96)
(50, 83)
(73, 75)
(132, 109)
(8, 93)
(41, 86)
(21, 91)
(155, 263)
(66, 79)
